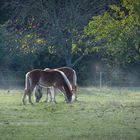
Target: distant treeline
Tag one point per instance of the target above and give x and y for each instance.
(99, 39)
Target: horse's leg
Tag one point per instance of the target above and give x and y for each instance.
(26, 92)
(37, 93)
(30, 94)
(64, 93)
(46, 96)
(74, 96)
(23, 98)
(52, 94)
(30, 100)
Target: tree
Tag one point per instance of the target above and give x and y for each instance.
(12, 57)
(59, 22)
(6, 45)
(119, 32)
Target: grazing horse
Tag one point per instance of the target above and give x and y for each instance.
(71, 75)
(51, 78)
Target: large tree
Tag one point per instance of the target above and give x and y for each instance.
(117, 32)
(60, 23)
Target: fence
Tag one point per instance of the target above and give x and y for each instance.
(10, 79)
(101, 79)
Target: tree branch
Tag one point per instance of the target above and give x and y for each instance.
(78, 59)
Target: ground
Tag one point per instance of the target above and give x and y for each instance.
(99, 114)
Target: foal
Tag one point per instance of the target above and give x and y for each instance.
(51, 78)
(70, 74)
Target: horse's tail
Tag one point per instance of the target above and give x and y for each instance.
(27, 90)
(67, 87)
(27, 83)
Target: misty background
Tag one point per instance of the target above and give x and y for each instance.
(100, 39)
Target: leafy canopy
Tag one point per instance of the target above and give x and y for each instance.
(119, 30)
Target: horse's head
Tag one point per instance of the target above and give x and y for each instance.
(38, 94)
(69, 96)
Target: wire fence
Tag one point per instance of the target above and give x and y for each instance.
(9, 79)
(107, 79)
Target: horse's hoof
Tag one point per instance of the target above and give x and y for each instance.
(31, 103)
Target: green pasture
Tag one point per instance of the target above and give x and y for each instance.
(100, 114)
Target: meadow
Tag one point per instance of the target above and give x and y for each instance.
(99, 114)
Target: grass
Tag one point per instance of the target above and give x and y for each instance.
(106, 114)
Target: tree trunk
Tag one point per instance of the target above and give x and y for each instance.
(68, 61)
(68, 55)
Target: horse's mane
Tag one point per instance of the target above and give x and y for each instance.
(66, 79)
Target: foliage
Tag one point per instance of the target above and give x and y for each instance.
(11, 56)
(60, 23)
(55, 33)
(6, 47)
(118, 29)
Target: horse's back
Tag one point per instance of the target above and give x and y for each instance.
(69, 72)
(34, 75)
(66, 69)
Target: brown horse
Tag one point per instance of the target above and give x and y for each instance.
(71, 75)
(51, 78)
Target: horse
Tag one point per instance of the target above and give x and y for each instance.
(71, 75)
(51, 78)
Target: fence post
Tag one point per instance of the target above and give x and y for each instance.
(100, 79)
